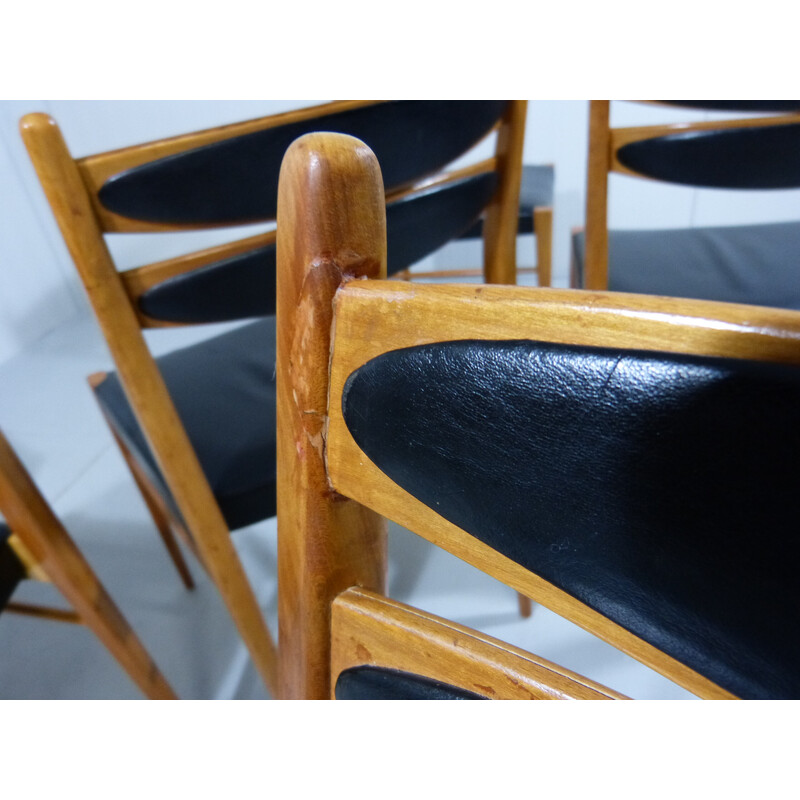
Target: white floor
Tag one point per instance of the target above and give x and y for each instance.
(49, 415)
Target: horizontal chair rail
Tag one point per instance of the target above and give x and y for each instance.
(369, 629)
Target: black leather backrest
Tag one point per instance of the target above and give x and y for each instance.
(660, 490)
(236, 180)
(765, 157)
(244, 286)
(741, 106)
(377, 683)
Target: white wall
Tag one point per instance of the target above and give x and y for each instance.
(38, 286)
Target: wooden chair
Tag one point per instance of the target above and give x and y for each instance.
(34, 544)
(535, 217)
(628, 461)
(195, 426)
(742, 264)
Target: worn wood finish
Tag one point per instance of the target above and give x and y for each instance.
(543, 228)
(33, 521)
(501, 217)
(595, 267)
(143, 384)
(374, 317)
(369, 629)
(331, 226)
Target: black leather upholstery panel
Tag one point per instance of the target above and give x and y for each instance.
(236, 180)
(224, 391)
(747, 158)
(755, 264)
(244, 286)
(660, 490)
(758, 106)
(11, 569)
(377, 683)
(240, 287)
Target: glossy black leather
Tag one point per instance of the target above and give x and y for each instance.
(244, 286)
(535, 191)
(765, 157)
(236, 180)
(376, 683)
(659, 490)
(224, 391)
(760, 106)
(11, 569)
(756, 264)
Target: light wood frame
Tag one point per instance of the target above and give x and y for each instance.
(48, 553)
(332, 493)
(72, 185)
(604, 144)
(369, 629)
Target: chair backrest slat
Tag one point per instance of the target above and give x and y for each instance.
(763, 157)
(235, 180)
(243, 285)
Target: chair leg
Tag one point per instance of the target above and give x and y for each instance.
(543, 228)
(525, 605)
(153, 502)
(160, 517)
(32, 519)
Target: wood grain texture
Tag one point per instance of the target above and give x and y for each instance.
(543, 228)
(369, 629)
(595, 267)
(373, 317)
(502, 215)
(44, 537)
(143, 384)
(331, 226)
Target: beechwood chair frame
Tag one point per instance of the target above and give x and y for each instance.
(333, 501)
(48, 554)
(71, 186)
(604, 143)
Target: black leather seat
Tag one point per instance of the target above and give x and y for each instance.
(11, 569)
(235, 439)
(756, 264)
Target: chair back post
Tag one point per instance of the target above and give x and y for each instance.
(502, 214)
(142, 381)
(331, 227)
(596, 258)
